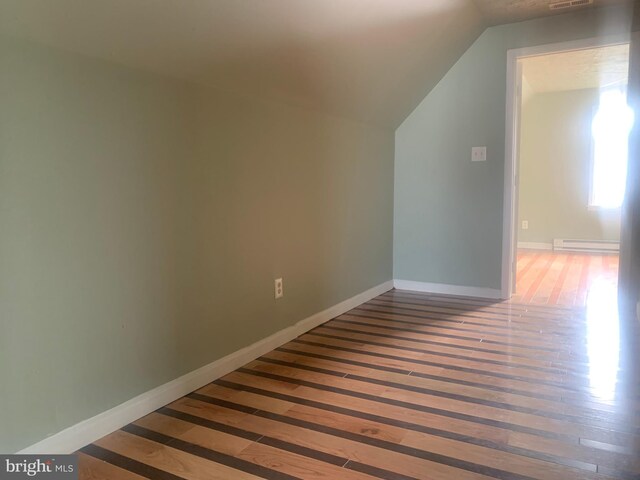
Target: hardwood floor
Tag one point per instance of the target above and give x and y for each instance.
(407, 386)
(562, 278)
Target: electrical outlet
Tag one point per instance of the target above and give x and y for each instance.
(279, 290)
(525, 224)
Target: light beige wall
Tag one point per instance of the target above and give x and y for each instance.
(144, 220)
(555, 170)
(527, 91)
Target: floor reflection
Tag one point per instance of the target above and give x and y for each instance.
(603, 338)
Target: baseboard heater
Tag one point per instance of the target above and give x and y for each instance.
(587, 246)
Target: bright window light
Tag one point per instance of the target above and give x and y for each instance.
(611, 126)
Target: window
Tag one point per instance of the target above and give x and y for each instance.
(611, 126)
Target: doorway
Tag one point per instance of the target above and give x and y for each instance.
(568, 150)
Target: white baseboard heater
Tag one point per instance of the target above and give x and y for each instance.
(587, 246)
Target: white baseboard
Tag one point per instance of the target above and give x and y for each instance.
(77, 436)
(535, 245)
(442, 288)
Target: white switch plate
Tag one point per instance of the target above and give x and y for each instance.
(525, 224)
(479, 154)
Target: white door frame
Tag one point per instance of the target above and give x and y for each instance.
(512, 140)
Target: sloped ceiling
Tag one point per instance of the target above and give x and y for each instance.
(370, 60)
(507, 11)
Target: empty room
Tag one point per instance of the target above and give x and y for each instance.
(319, 239)
(573, 139)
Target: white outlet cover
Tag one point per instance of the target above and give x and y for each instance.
(279, 288)
(479, 154)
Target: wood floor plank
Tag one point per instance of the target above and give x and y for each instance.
(522, 272)
(478, 410)
(372, 335)
(227, 443)
(622, 406)
(458, 349)
(448, 341)
(167, 459)
(395, 326)
(92, 468)
(510, 311)
(472, 365)
(568, 281)
(568, 370)
(408, 465)
(583, 283)
(239, 441)
(394, 321)
(394, 413)
(612, 459)
(251, 400)
(468, 321)
(556, 409)
(364, 355)
(510, 322)
(412, 386)
(545, 289)
(570, 286)
(471, 420)
(452, 373)
(556, 289)
(521, 312)
(297, 466)
(508, 305)
(357, 452)
(378, 431)
(541, 272)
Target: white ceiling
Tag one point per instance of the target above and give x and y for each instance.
(370, 60)
(507, 11)
(590, 68)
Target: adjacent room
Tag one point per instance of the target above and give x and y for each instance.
(573, 155)
(320, 239)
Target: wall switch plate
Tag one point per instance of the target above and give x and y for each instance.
(279, 290)
(525, 224)
(479, 154)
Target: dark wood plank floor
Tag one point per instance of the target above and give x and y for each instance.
(408, 386)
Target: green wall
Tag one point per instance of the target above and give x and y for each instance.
(448, 211)
(555, 170)
(144, 220)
